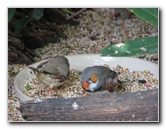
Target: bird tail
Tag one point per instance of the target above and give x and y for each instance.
(34, 70)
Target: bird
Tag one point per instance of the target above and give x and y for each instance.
(53, 72)
(96, 78)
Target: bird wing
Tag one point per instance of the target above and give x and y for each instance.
(63, 70)
(110, 85)
(56, 66)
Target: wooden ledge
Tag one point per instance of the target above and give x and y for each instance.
(99, 106)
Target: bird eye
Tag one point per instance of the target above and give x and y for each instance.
(90, 81)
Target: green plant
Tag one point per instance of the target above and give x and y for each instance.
(11, 12)
(138, 46)
(67, 11)
(35, 14)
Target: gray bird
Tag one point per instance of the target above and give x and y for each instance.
(53, 72)
(99, 78)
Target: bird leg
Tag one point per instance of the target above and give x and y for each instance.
(50, 92)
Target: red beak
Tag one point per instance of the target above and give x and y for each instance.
(85, 85)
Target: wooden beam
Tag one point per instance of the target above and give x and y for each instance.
(99, 106)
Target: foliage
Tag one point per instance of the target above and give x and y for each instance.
(67, 11)
(138, 46)
(150, 15)
(35, 14)
(11, 12)
(133, 47)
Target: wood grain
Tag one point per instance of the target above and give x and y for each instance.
(100, 106)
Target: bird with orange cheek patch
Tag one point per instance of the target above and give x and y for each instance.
(99, 78)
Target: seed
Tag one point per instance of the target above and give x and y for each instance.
(142, 81)
(156, 81)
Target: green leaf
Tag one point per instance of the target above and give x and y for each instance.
(28, 88)
(37, 13)
(150, 15)
(67, 11)
(11, 12)
(21, 23)
(136, 47)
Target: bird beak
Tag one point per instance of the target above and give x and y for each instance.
(85, 85)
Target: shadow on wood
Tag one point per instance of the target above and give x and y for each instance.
(100, 106)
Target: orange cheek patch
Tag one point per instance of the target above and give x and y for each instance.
(94, 77)
(86, 85)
